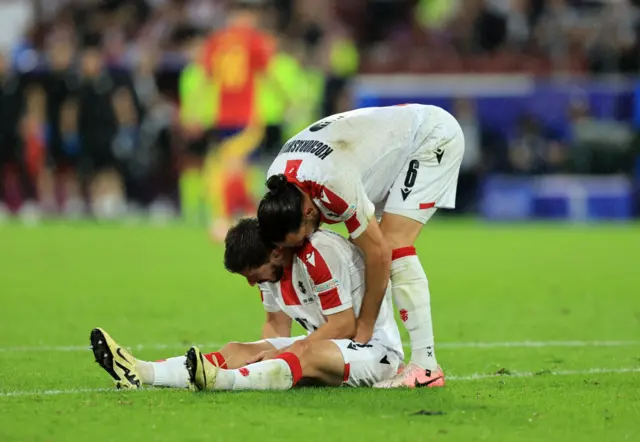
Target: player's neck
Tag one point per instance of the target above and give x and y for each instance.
(287, 257)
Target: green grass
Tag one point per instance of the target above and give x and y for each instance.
(166, 286)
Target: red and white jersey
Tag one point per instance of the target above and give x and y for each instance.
(325, 278)
(348, 162)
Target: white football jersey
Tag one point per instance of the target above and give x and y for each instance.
(348, 162)
(327, 277)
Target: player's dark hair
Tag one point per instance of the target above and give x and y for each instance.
(280, 210)
(244, 247)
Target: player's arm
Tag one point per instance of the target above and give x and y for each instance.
(350, 204)
(377, 260)
(341, 325)
(328, 270)
(277, 325)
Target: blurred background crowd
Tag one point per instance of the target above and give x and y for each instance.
(167, 108)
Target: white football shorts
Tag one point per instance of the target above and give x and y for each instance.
(364, 365)
(429, 178)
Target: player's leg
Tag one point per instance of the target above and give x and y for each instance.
(328, 363)
(280, 373)
(427, 181)
(172, 372)
(410, 286)
(129, 372)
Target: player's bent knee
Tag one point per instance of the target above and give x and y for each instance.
(320, 360)
(400, 231)
(300, 348)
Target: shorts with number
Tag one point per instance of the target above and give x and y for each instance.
(364, 365)
(429, 177)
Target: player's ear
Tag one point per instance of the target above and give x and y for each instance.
(277, 255)
(308, 209)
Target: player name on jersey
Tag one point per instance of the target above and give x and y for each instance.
(318, 148)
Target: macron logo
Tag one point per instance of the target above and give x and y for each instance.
(311, 259)
(324, 198)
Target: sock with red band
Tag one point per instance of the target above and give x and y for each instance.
(410, 289)
(281, 373)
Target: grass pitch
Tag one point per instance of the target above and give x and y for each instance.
(554, 309)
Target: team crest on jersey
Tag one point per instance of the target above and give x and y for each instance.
(303, 291)
(310, 258)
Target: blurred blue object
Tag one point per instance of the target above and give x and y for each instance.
(571, 198)
(502, 99)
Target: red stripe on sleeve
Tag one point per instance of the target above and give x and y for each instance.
(427, 205)
(402, 252)
(330, 299)
(332, 201)
(352, 223)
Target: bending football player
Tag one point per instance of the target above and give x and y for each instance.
(398, 164)
(319, 285)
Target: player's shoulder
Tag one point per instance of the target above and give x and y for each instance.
(323, 246)
(304, 167)
(268, 287)
(319, 254)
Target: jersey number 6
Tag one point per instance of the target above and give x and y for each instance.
(412, 173)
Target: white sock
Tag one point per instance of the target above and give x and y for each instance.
(411, 294)
(169, 373)
(274, 374)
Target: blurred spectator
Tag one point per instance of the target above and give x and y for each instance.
(343, 65)
(599, 146)
(97, 127)
(195, 120)
(235, 57)
(479, 28)
(32, 134)
(150, 167)
(613, 38)
(465, 112)
(16, 185)
(61, 84)
(559, 31)
(532, 151)
(278, 93)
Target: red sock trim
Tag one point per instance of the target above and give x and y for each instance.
(347, 371)
(402, 252)
(294, 364)
(216, 358)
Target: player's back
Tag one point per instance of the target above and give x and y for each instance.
(373, 143)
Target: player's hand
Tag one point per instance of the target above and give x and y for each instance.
(363, 333)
